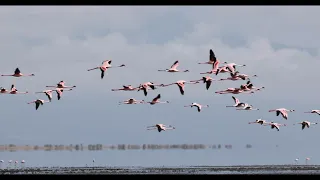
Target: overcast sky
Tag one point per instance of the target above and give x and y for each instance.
(279, 44)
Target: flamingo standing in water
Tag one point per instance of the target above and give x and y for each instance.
(237, 103)
(173, 68)
(259, 121)
(1, 162)
(61, 84)
(275, 125)
(17, 73)
(38, 102)
(125, 88)
(305, 124)
(247, 107)
(282, 111)
(160, 127)
(14, 90)
(146, 86)
(199, 106)
(314, 111)
(212, 58)
(156, 100)
(131, 101)
(48, 93)
(104, 66)
(180, 84)
(208, 80)
(22, 163)
(307, 159)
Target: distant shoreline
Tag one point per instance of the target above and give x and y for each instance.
(254, 169)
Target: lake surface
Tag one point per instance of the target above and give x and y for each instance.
(262, 169)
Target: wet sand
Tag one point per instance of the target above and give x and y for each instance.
(259, 169)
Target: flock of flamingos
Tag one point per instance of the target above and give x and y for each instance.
(231, 68)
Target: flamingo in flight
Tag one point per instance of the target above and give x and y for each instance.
(156, 100)
(17, 73)
(207, 79)
(237, 103)
(314, 111)
(282, 111)
(48, 93)
(212, 58)
(131, 101)
(233, 65)
(247, 107)
(244, 76)
(180, 84)
(125, 88)
(104, 66)
(215, 68)
(59, 92)
(199, 106)
(233, 77)
(145, 86)
(305, 124)
(275, 125)
(160, 127)
(38, 102)
(61, 84)
(14, 90)
(173, 68)
(259, 121)
(234, 91)
(3, 90)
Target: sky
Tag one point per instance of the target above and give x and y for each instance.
(278, 44)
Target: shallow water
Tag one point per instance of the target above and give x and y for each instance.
(274, 169)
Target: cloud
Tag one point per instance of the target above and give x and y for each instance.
(279, 44)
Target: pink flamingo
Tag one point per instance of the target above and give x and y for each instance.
(233, 65)
(233, 77)
(17, 73)
(314, 111)
(173, 68)
(235, 91)
(156, 100)
(145, 86)
(247, 107)
(125, 88)
(199, 106)
(215, 67)
(59, 92)
(160, 127)
(132, 101)
(208, 80)
(48, 93)
(38, 102)
(259, 121)
(212, 58)
(237, 102)
(244, 76)
(180, 84)
(305, 124)
(61, 84)
(282, 111)
(3, 90)
(14, 90)
(275, 125)
(104, 66)
(250, 87)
